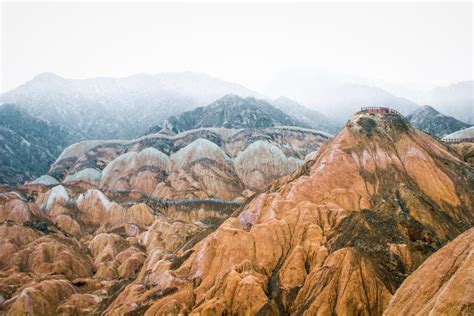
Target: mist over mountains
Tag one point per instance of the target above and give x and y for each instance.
(107, 108)
(117, 107)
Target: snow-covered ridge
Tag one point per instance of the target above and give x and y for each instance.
(46, 179)
(131, 162)
(112, 102)
(465, 133)
(91, 175)
(80, 148)
(197, 150)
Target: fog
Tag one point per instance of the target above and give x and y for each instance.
(401, 45)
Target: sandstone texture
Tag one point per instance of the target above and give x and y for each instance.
(204, 163)
(377, 220)
(442, 285)
(339, 236)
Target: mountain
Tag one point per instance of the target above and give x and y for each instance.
(108, 108)
(203, 163)
(339, 235)
(434, 123)
(230, 111)
(28, 145)
(456, 100)
(337, 96)
(312, 118)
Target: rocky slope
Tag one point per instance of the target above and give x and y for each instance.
(70, 250)
(28, 146)
(230, 111)
(312, 118)
(337, 237)
(434, 123)
(442, 285)
(203, 163)
(108, 108)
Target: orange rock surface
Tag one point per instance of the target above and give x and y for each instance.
(339, 235)
(442, 285)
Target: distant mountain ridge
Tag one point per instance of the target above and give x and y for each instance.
(306, 115)
(28, 145)
(108, 108)
(433, 122)
(456, 100)
(230, 111)
(336, 96)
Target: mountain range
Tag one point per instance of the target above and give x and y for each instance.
(377, 220)
(232, 111)
(336, 96)
(107, 108)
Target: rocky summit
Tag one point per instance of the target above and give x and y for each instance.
(230, 111)
(376, 220)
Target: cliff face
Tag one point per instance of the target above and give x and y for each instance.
(339, 236)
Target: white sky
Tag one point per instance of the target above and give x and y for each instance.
(247, 43)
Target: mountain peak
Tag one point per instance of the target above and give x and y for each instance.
(231, 111)
(384, 124)
(229, 98)
(47, 76)
(431, 121)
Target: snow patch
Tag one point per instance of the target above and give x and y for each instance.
(57, 194)
(90, 175)
(94, 194)
(130, 162)
(197, 150)
(46, 179)
(464, 133)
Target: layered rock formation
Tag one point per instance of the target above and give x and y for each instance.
(69, 250)
(206, 163)
(337, 237)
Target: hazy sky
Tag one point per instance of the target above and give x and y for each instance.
(247, 43)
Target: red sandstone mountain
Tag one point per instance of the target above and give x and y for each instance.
(338, 236)
(205, 163)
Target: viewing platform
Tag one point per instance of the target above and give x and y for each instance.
(379, 110)
(385, 110)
